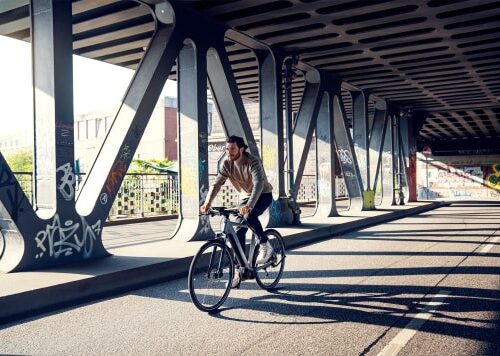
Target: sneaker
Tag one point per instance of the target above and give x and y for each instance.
(265, 253)
(236, 279)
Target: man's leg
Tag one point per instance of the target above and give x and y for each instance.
(241, 231)
(253, 217)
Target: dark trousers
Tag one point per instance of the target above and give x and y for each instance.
(252, 218)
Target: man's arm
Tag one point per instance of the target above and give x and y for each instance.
(258, 179)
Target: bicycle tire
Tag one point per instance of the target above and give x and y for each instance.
(200, 272)
(269, 279)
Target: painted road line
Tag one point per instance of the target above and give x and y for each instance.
(489, 245)
(414, 325)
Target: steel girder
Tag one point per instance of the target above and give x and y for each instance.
(325, 159)
(317, 84)
(272, 140)
(193, 143)
(69, 234)
(360, 129)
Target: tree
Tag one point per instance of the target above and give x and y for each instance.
(149, 166)
(20, 161)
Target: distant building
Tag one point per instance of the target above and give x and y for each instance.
(16, 141)
(159, 140)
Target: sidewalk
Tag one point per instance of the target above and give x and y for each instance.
(152, 260)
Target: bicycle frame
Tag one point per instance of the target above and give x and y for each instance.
(230, 234)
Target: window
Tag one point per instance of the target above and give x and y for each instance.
(82, 130)
(91, 129)
(100, 125)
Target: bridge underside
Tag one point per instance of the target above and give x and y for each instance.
(367, 81)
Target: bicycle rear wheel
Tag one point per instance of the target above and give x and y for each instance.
(210, 276)
(269, 277)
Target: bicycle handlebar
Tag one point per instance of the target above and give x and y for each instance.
(223, 212)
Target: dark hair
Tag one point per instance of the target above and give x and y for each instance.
(237, 140)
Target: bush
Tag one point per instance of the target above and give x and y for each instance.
(20, 161)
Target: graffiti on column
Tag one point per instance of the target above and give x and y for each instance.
(269, 162)
(126, 153)
(324, 180)
(67, 238)
(344, 156)
(115, 176)
(275, 211)
(64, 134)
(67, 185)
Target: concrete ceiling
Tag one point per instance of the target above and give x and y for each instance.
(439, 56)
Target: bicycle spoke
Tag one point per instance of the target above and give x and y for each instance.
(209, 289)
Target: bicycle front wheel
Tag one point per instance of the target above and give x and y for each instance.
(210, 276)
(270, 276)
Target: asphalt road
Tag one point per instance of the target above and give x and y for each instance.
(424, 285)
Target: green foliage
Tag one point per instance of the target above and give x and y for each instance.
(149, 166)
(20, 161)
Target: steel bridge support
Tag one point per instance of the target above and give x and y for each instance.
(325, 159)
(64, 232)
(192, 142)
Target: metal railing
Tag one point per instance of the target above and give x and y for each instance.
(141, 194)
(144, 194)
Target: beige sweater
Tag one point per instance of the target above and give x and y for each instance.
(247, 176)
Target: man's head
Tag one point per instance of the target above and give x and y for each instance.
(235, 147)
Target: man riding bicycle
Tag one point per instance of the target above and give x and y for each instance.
(247, 175)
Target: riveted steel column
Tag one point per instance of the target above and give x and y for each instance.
(53, 105)
(377, 137)
(227, 97)
(395, 158)
(360, 133)
(106, 175)
(415, 123)
(193, 143)
(403, 157)
(305, 124)
(387, 169)
(346, 154)
(325, 159)
(272, 141)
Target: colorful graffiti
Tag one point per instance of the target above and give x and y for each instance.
(115, 176)
(493, 179)
(460, 177)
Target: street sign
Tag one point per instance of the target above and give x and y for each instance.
(426, 151)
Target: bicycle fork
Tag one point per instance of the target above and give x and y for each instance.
(218, 271)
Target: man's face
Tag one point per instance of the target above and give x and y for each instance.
(233, 152)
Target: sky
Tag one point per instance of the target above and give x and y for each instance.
(96, 85)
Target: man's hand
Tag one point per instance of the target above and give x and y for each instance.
(204, 208)
(244, 210)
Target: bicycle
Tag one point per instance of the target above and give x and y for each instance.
(212, 268)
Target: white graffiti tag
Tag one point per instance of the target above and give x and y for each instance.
(345, 156)
(103, 199)
(126, 153)
(67, 186)
(65, 239)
